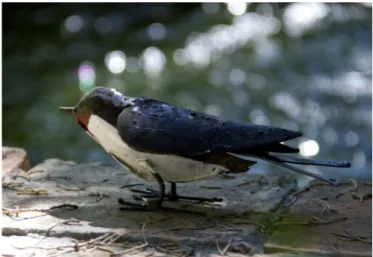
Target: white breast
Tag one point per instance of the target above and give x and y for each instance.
(169, 167)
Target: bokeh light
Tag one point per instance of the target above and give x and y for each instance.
(74, 23)
(180, 57)
(87, 77)
(237, 76)
(351, 139)
(309, 148)
(115, 61)
(153, 60)
(157, 31)
(237, 8)
(257, 116)
(300, 17)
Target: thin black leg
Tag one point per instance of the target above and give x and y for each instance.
(144, 207)
(161, 189)
(172, 196)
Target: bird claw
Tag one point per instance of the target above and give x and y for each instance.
(146, 206)
(151, 193)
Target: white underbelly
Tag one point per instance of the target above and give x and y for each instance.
(169, 167)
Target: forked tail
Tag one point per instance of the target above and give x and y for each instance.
(282, 160)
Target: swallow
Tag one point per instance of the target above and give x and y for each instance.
(160, 142)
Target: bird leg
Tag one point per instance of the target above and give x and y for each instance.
(147, 205)
(172, 195)
(156, 204)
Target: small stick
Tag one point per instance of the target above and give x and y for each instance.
(66, 222)
(210, 187)
(353, 237)
(224, 251)
(319, 221)
(7, 211)
(247, 182)
(131, 185)
(31, 191)
(72, 189)
(136, 247)
(99, 195)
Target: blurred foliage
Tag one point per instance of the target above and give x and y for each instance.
(298, 66)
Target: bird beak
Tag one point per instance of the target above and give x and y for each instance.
(69, 110)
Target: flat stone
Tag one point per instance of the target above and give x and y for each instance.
(14, 158)
(348, 210)
(95, 188)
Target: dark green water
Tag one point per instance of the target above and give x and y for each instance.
(304, 67)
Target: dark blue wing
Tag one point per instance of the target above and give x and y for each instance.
(157, 127)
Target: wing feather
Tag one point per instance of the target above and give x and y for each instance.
(157, 127)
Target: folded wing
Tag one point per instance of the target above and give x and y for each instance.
(157, 127)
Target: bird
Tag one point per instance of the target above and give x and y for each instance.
(164, 143)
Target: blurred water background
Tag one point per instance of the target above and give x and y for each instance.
(300, 66)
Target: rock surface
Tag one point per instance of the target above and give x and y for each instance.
(341, 219)
(95, 188)
(12, 159)
(251, 220)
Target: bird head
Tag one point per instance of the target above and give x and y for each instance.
(107, 103)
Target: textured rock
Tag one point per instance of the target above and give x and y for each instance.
(13, 159)
(68, 183)
(253, 219)
(342, 212)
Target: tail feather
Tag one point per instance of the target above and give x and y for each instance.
(303, 161)
(282, 162)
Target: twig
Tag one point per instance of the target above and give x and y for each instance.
(31, 191)
(99, 195)
(294, 197)
(78, 246)
(248, 222)
(224, 251)
(247, 182)
(165, 250)
(131, 185)
(66, 222)
(12, 185)
(72, 189)
(361, 197)
(7, 211)
(353, 237)
(281, 223)
(210, 187)
(192, 228)
(326, 206)
(355, 187)
(105, 249)
(319, 221)
(24, 174)
(145, 244)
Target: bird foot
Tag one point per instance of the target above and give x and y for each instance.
(151, 193)
(155, 206)
(152, 205)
